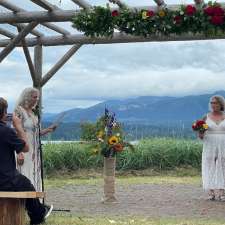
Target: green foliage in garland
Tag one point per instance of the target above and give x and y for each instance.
(98, 22)
(208, 19)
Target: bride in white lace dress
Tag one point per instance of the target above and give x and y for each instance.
(213, 156)
(29, 164)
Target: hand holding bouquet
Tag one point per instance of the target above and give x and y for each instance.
(200, 126)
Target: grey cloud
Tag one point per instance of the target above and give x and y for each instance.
(158, 56)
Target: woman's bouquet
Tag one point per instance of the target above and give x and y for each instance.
(110, 139)
(200, 126)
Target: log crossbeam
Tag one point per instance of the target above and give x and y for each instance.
(35, 32)
(117, 38)
(44, 4)
(17, 9)
(82, 4)
(7, 33)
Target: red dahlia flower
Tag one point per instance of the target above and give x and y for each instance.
(115, 13)
(214, 11)
(217, 20)
(200, 126)
(150, 13)
(200, 122)
(218, 11)
(209, 11)
(190, 10)
(177, 19)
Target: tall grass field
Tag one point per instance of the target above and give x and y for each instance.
(155, 153)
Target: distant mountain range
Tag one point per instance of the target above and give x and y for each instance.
(145, 109)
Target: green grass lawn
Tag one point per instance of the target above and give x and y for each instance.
(177, 176)
(56, 182)
(69, 220)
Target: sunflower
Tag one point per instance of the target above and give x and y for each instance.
(113, 140)
(162, 13)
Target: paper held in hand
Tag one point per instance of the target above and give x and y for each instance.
(58, 120)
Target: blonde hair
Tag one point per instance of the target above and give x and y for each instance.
(26, 96)
(220, 99)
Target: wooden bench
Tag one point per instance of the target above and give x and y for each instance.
(12, 206)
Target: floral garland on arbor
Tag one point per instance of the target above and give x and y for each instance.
(208, 19)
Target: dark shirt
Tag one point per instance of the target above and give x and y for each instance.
(9, 143)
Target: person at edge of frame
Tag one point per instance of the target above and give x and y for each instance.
(10, 178)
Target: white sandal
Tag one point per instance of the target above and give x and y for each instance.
(222, 198)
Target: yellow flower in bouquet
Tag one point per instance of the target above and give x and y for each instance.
(113, 140)
(110, 136)
(205, 126)
(161, 13)
(200, 126)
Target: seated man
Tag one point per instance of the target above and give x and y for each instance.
(10, 178)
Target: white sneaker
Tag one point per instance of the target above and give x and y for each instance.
(48, 211)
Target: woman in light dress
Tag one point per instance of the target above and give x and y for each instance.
(29, 164)
(213, 156)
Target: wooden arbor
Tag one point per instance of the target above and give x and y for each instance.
(27, 23)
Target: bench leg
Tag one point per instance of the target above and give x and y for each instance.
(12, 211)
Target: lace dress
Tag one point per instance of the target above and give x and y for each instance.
(213, 156)
(32, 161)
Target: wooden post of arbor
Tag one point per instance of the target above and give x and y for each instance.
(38, 56)
(12, 206)
(109, 180)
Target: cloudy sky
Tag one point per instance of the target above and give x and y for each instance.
(100, 72)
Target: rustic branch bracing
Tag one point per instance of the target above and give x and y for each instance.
(82, 4)
(16, 40)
